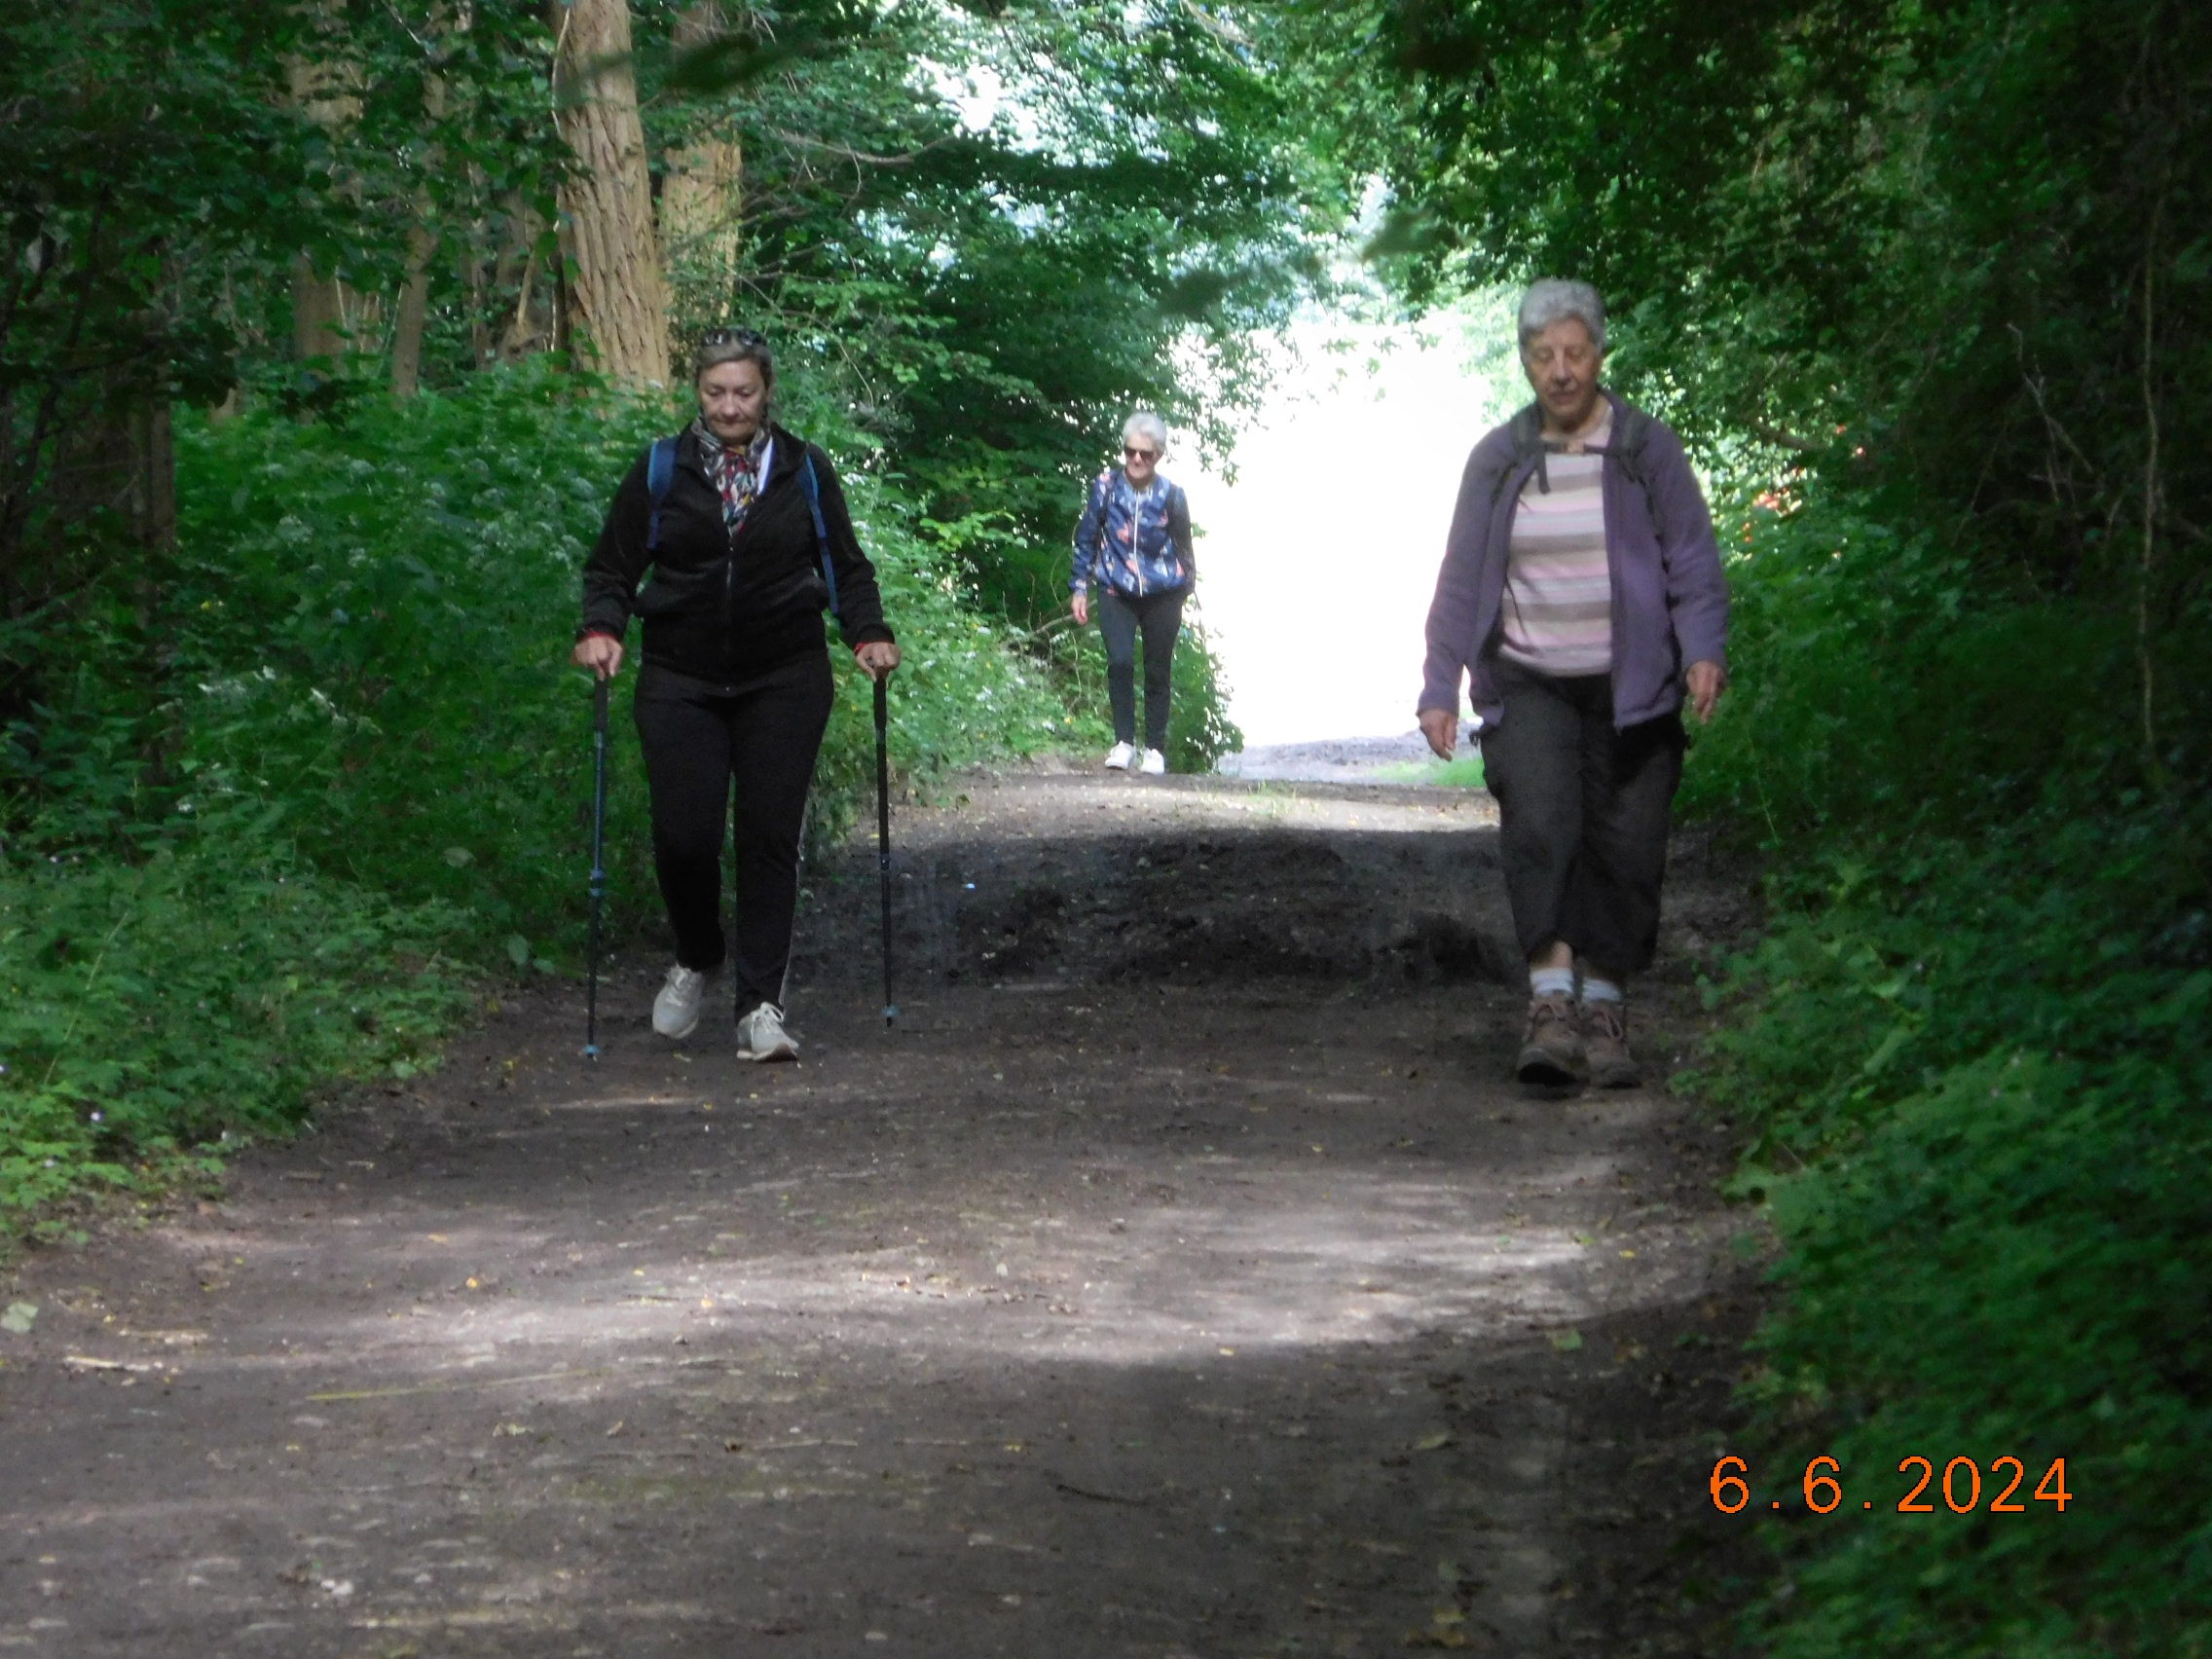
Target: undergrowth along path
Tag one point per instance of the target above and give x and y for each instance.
(1179, 1277)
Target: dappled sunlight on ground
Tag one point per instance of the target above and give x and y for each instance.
(1134, 1296)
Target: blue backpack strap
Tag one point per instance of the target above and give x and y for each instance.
(660, 477)
(813, 488)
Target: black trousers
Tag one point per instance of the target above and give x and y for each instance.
(699, 737)
(1160, 617)
(1583, 814)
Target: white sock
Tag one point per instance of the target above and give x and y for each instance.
(1552, 983)
(1596, 990)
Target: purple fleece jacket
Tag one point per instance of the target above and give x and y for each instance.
(1670, 598)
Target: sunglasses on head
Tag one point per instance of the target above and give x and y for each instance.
(747, 338)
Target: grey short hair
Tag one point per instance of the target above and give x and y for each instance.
(1144, 424)
(1555, 299)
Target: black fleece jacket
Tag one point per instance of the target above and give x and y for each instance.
(721, 607)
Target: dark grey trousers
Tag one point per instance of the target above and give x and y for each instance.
(1583, 813)
(1160, 616)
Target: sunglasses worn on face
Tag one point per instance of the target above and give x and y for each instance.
(1136, 453)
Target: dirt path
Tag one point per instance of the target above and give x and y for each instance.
(1177, 1278)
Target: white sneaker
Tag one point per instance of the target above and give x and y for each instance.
(1121, 757)
(676, 1010)
(760, 1036)
(1153, 764)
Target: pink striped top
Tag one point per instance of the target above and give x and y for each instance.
(1558, 607)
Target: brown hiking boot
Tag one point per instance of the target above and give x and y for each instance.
(1551, 1048)
(1604, 1042)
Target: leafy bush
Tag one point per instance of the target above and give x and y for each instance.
(1200, 730)
(210, 989)
(281, 801)
(446, 536)
(1970, 1049)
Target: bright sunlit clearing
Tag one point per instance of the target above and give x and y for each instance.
(1316, 565)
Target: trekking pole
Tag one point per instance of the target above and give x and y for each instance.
(598, 858)
(883, 830)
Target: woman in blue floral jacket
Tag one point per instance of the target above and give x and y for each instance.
(1133, 543)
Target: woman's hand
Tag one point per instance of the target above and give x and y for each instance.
(877, 658)
(600, 653)
(1706, 681)
(1081, 606)
(1441, 726)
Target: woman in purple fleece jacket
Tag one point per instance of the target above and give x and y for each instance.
(1583, 596)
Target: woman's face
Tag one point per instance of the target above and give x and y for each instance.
(1562, 364)
(1139, 458)
(733, 400)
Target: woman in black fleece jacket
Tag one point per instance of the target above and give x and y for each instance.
(736, 683)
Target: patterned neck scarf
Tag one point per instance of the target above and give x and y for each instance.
(736, 472)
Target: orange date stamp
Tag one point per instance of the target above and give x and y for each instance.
(1961, 1485)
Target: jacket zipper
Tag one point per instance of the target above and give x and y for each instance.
(730, 534)
(1136, 531)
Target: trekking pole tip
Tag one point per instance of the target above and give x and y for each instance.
(890, 1012)
(591, 1050)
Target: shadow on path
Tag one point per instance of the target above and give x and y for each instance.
(1176, 1280)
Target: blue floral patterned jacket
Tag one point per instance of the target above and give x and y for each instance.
(1133, 543)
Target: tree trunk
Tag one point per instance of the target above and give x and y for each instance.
(616, 286)
(411, 312)
(318, 313)
(150, 496)
(702, 196)
(534, 323)
(319, 298)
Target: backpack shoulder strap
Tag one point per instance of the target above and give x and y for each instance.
(813, 488)
(660, 477)
(1627, 448)
(1527, 430)
(1633, 434)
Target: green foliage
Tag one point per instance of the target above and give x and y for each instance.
(1954, 251)
(1987, 1085)
(1885, 680)
(1200, 731)
(378, 616)
(1126, 201)
(173, 166)
(1931, 279)
(364, 777)
(370, 619)
(1968, 1049)
(210, 991)
(346, 675)
(1463, 773)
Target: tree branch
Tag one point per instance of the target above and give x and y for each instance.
(801, 141)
